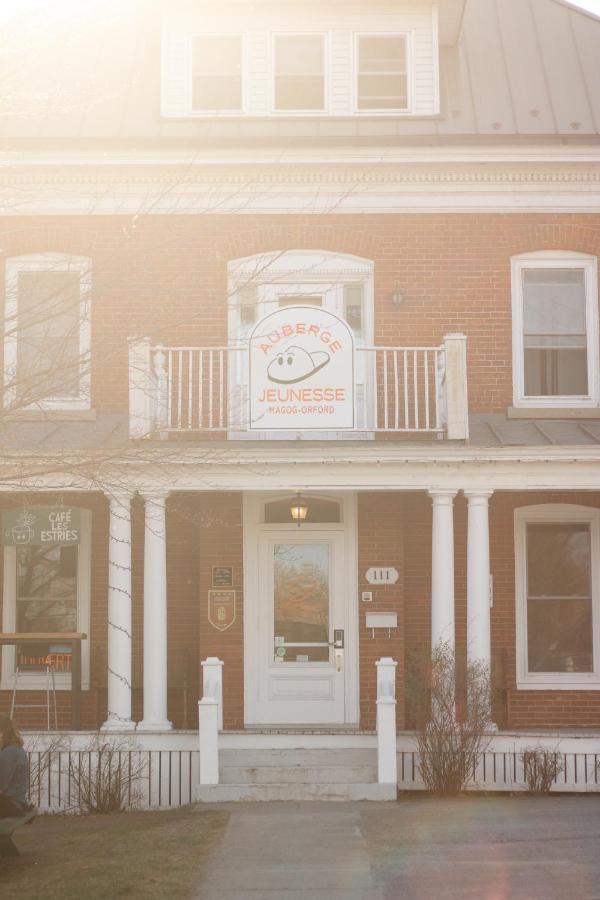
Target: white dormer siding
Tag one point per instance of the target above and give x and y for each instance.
(416, 24)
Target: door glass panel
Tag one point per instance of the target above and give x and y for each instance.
(301, 300)
(301, 602)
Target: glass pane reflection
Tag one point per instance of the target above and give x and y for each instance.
(301, 602)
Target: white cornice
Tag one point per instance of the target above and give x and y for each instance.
(136, 188)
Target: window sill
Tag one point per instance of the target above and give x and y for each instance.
(40, 683)
(52, 415)
(560, 685)
(553, 412)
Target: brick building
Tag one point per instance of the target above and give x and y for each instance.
(301, 330)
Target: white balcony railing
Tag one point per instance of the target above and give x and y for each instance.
(399, 390)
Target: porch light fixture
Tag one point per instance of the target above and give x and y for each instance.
(299, 509)
(397, 297)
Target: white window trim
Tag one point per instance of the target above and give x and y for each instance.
(37, 681)
(301, 113)
(557, 513)
(556, 259)
(47, 262)
(410, 81)
(217, 113)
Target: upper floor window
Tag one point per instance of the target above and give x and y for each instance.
(558, 619)
(555, 330)
(299, 72)
(381, 72)
(47, 332)
(217, 73)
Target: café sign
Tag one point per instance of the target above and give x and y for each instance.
(301, 371)
(38, 526)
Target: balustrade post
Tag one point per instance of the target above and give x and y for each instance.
(140, 388)
(387, 766)
(212, 683)
(455, 393)
(208, 730)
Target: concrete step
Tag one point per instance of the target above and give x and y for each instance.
(295, 757)
(298, 774)
(233, 793)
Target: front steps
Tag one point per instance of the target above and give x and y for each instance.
(296, 774)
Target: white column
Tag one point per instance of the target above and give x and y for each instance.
(155, 616)
(442, 568)
(119, 615)
(479, 646)
(208, 716)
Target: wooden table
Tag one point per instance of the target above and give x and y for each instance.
(74, 639)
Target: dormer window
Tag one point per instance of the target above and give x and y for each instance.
(274, 62)
(381, 73)
(299, 73)
(217, 73)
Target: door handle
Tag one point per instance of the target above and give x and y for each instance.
(339, 660)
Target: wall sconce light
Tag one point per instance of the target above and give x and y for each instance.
(397, 297)
(299, 509)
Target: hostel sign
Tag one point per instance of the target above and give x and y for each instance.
(38, 526)
(301, 371)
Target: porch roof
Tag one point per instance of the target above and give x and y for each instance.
(110, 433)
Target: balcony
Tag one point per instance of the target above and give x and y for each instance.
(197, 391)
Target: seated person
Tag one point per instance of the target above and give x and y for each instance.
(14, 771)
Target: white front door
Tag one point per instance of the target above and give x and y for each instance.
(300, 627)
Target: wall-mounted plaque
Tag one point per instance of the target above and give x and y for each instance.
(382, 575)
(221, 609)
(222, 576)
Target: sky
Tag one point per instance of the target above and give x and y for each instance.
(11, 8)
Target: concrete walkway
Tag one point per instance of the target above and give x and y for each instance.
(311, 851)
(469, 848)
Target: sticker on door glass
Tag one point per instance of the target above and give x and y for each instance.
(279, 640)
(280, 651)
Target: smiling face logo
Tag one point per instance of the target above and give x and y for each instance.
(295, 364)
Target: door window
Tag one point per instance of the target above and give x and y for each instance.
(301, 602)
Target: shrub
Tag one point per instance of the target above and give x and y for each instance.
(106, 776)
(541, 768)
(450, 745)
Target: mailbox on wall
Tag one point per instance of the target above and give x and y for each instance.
(387, 620)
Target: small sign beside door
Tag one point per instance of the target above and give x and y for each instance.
(221, 609)
(382, 575)
(222, 576)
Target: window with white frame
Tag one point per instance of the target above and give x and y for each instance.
(557, 554)
(555, 330)
(47, 588)
(381, 72)
(299, 73)
(47, 332)
(217, 73)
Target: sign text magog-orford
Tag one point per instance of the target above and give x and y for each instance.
(301, 371)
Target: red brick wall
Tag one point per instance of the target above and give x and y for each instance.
(380, 543)
(220, 544)
(166, 277)
(205, 530)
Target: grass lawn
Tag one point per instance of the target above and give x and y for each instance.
(135, 854)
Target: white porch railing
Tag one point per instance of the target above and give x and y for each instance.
(203, 389)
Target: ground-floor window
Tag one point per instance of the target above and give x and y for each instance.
(47, 590)
(557, 556)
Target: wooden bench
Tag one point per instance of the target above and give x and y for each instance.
(8, 826)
